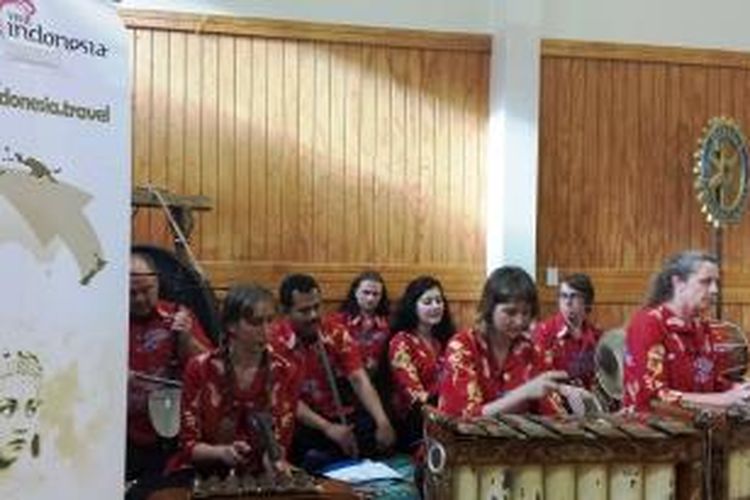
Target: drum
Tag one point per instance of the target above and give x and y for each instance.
(164, 411)
(731, 346)
(609, 366)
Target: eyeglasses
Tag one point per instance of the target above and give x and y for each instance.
(570, 296)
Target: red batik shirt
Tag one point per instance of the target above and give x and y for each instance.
(311, 377)
(153, 351)
(371, 334)
(416, 364)
(666, 356)
(563, 351)
(472, 377)
(212, 415)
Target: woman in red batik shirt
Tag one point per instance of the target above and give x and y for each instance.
(365, 314)
(494, 367)
(237, 407)
(423, 325)
(669, 352)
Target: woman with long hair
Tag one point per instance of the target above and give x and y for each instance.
(422, 326)
(494, 367)
(670, 354)
(237, 409)
(364, 313)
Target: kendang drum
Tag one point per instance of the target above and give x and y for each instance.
(534, 457)
(731, 345)
(609, 368)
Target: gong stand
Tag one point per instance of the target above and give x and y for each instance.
(180, 208)
(717, 248)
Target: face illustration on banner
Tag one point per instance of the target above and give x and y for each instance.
(20, 383)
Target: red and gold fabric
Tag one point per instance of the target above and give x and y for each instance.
(310, 374)
(564, 351)
(416, 363)
(666, 356)
(472, 377)
(153, 351)
(214, 413)
(371, 334)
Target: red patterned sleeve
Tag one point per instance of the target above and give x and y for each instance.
(345, 349)
(460, 393)
(644, 378)
(404, 370)
(284, 397)
(193, 383)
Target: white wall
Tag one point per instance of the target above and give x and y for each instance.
(693, 23)
(448, 15)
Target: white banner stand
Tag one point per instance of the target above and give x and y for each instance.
(64, 238)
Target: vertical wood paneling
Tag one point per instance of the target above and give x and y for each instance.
(226, 208)
(307, 152)
(241, 235)
(141, 50)
(278, 179)
(193, 128)
(289, 166)
(316, 153)
(210, 145)
(383, 166)
(259, 139)
(617, 137)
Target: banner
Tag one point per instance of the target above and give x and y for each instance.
(64, 237)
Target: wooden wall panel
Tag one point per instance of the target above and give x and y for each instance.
(619, 126)
(319, 153)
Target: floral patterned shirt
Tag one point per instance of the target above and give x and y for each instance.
(472, 377)
(564, 352)
(211, 414)
(371, 335)
(311, 378)
(665, 356)
(152, 351)
(415, 370)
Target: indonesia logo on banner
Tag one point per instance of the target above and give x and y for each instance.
(64, 229)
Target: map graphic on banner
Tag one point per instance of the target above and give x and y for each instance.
(52, 210)
(64, 239)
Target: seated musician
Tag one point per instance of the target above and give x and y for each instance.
(237, 404)
(568, 339)
(494, 367)
(422, 325)
(329, 427)
(364, 313)
(670, 355)
(162, 337)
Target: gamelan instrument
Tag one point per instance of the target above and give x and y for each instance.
(238, 486)
(731, 346)
(534, 457)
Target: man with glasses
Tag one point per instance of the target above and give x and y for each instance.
(568, 339)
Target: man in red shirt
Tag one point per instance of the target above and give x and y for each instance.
(669, 353)
(568, 339)
(331, 425)
(162, 337)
